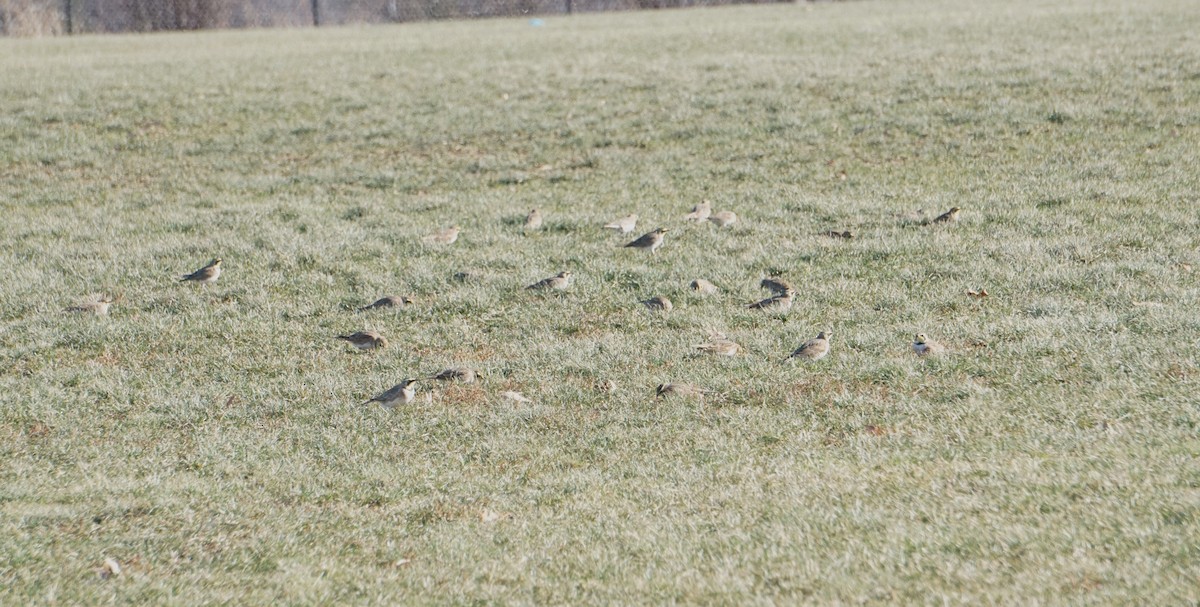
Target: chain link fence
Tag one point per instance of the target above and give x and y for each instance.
(57, 17)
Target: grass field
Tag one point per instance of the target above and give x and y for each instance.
(210, 439)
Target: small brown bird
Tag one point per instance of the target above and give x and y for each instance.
(776, 303)
(96, 305)
(950, 216)
(624, 225)
(557, 282)
(699, 212)
(401, 393)
(465, 375)
(680, 390)
(389, 301)
(207, 274)
(650, 241)
(444, 236)
(814, 349)
(775, 285)
(533, 220)
(720, 347)
(980, 293)
(365, 340)
(703, 287)
(658, 304)
(724, 218)
(923, 346)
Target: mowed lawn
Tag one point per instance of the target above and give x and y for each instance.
(211, 441)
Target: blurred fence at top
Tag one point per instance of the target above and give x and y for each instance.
(56, 17)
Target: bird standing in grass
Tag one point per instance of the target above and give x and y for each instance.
(703, 287)
(720, 347)
(401, 393)
(923, 346)
(724, 218)
(658, 304)
(776, 303)
(650, 241)
(465, 375)
(699, 212)
(558, 282)
(390, 301)
(533, 220)
(365, 340)
(96, 305)
(814, 349)
(624, 225)
(207, 274)
(950, 216)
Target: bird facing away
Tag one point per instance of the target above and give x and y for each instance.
(624, 225)
(776, 303)
(680, 390)
(365, 340)
(775, 285)
(401, 393)
(557, 282)
(207, 274)
(814, 349)
(650, 241)
(533, 220)
(923, 346)
(699, 212)
(389, 301)
(950, 216)
(444, 236)
(720, 347)
(95, 305)
(703, 287)
(724, 218)
(658, 304)
(465, 375)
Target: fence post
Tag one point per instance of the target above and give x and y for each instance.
(316, 10)
(70, 29)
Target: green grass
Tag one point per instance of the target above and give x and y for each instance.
(209, 439)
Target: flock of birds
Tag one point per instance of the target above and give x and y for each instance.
(782, 296)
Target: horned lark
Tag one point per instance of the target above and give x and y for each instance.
(658, 304)
(680, 390)
(720, 347)
(390, 301)
(401, 393)
(557, 282)
(814, 349)
(624, 225)
(950, 216)
(533, 220)
(775, 285)
(703, 287)
(650, 241)
(207, 274)
(776, 303)
(699, 212)
(97, 305)
(444, 236)
(365, 340)
(465, 375)
(724, 218)
(924, 346)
